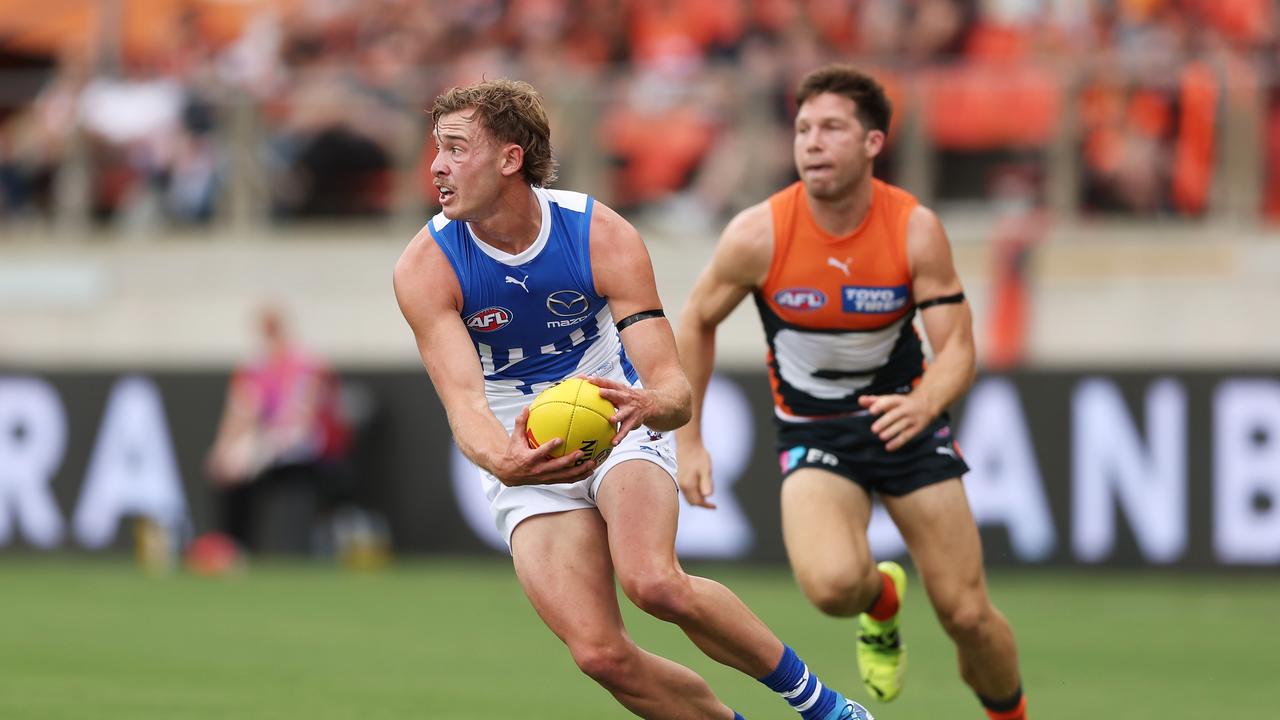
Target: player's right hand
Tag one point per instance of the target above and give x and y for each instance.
(523, 465)
(694, 474)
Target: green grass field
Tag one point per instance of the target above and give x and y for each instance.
(455, 640)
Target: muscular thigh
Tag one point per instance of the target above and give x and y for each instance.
(824, 525)
(943, 539)
(640, 503)
(562, 562)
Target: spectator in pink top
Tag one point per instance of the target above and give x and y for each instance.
(281, 427)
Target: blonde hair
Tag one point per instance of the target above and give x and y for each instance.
(512, 112)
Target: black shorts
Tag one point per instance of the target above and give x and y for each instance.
(847, 447)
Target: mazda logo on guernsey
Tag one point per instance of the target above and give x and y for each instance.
(800, 298)
(567, 303)
(490, 319)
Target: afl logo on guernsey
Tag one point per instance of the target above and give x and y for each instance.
(800, 298)
(858, 299)
(490, 319)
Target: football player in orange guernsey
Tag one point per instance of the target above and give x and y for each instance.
(838, 264)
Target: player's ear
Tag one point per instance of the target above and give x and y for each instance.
(512, 159)
(874, 142)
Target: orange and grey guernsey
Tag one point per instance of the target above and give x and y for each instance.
(837, 311)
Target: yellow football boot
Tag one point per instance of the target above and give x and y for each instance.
(882, 656)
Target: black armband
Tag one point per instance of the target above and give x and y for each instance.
(944, 300)
(630, 320)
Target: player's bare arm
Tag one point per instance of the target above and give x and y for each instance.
(738, 266)
(623, 273)
(949, 327)
(431, 300)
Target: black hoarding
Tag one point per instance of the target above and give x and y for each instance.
(1125, 468)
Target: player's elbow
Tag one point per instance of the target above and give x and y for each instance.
(688, 319)
(961, 356)
(970, 365)
(968, 371)
(695, 324)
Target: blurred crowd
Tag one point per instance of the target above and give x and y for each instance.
(675, 108)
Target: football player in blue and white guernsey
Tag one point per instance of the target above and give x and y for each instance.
(512, 288)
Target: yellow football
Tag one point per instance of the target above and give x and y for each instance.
(574, 412)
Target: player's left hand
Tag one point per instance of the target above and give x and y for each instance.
(633, 405)
(899, 418)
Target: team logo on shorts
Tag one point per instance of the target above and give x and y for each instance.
(948, 446)
(658, 451)
(490, 319)
(865, 299)
(788, 460)
(800, 298)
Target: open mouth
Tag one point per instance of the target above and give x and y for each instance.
(445, 193)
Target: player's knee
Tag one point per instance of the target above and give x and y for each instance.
(609, 664)
(965, 618)
(665, 595)
(839, 593)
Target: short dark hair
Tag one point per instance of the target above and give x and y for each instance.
(512, 112)
(874, 109)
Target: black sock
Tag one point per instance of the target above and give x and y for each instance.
(1002, 705)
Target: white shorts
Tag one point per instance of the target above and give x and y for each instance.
(512, 505)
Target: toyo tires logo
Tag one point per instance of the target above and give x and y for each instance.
(869, 299)
(490, 319)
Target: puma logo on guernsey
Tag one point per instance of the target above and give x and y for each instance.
(841, 266)
(521, 283)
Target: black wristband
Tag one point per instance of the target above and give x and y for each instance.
(944, 300)
(630, 320)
